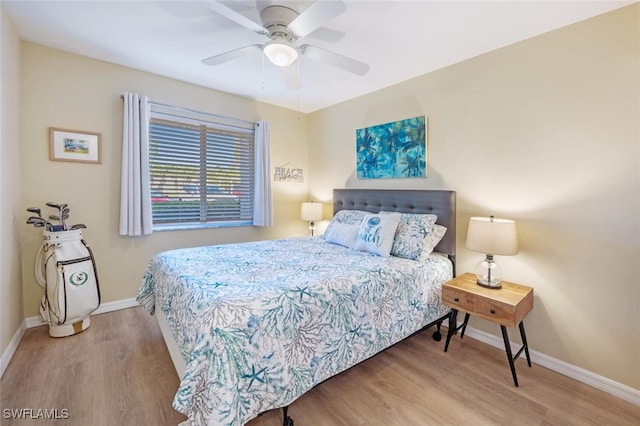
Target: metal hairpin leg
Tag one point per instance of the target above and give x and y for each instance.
(464, 324)
(523, 336)
(507, 348)
(453, 326)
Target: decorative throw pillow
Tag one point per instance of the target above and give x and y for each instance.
(413, 239)
(343, 234)
(346, 217)
(376, 234)
(432, 240)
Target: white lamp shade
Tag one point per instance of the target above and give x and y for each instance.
(311, 211)
(492, 236)
(280, 52)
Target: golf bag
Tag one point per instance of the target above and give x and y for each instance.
(66, 269)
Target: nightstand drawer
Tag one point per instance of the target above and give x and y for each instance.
(483, 307)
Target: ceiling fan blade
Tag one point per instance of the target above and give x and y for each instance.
(331, 58)
(319, 13)
(233, 54)
(234, 16)
(291, 76)
(327, 34)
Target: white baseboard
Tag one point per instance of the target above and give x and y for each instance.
(37, 322)
(606, 385)
(116, 306)
(602, 383)
(11, 349)
(103, 308)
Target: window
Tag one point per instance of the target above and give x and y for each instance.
(201, 171)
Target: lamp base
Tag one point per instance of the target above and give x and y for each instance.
(495, 285)
(488, 273)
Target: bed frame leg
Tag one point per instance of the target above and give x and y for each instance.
(436, 334)
(288, 421)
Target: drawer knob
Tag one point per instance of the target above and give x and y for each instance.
(455, 299)
(493, 311)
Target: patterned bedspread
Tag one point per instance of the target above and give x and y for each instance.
(259, 324)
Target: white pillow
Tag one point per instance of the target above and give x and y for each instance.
(376, 234)
(343, 234)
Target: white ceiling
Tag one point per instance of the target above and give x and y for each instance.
(398, 39)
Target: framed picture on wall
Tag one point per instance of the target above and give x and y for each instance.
(74, 145)
(393, 150)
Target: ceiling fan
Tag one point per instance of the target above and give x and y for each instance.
(284, 26)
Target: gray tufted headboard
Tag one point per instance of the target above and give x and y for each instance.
(440, 203)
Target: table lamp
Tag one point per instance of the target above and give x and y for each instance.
(311, 212)
(493, 237)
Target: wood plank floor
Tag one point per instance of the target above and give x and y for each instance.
(118, 372)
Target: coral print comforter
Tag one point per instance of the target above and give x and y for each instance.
(259, 324)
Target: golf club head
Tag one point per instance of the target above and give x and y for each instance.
(37, 222)
(78, 226)
(54, 205)
(35, 210)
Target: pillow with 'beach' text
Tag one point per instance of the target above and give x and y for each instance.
(376, 233)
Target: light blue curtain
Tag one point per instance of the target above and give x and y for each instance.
(263, 204)
(135, 197)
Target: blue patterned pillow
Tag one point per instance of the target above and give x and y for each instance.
(435, 235)
(346, 217)
(415, 238)
(376, 234)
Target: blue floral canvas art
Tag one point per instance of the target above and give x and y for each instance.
(393, 150)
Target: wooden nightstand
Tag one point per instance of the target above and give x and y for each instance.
(506, 306)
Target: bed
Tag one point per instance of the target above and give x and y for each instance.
(252, 326)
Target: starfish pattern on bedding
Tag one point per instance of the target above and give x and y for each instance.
(254, 375)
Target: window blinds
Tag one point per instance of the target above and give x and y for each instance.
(200, 171)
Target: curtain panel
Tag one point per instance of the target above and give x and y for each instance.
(135, 193)
(263, 205)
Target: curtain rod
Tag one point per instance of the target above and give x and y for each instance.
(177, 108)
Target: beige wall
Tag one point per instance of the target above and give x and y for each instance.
(545, 132)
(11, 220)
(73, 92)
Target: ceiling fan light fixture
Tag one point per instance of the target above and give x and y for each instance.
(280, 52)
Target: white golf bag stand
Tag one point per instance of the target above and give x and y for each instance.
(66, 269)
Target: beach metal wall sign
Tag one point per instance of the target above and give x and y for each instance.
(288, 173)
(393, 150)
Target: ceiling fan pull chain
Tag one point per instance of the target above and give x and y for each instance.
(298, 89)
(262, 72)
